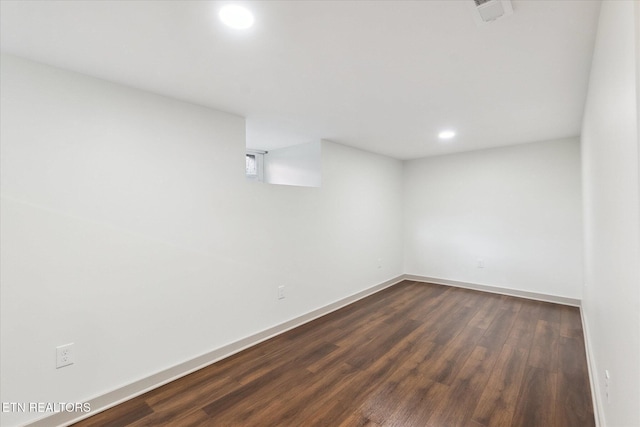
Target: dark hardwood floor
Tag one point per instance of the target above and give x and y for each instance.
(414, 354)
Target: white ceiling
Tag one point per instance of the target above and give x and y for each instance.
(385, 76)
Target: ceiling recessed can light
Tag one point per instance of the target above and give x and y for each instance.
(235, 16)
(446, 134)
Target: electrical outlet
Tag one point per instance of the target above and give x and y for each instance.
(379, 262)
(64, 355)
(480, 263)
(607, 382)
(280, 292)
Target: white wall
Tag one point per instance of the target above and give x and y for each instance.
(612, 215)
(518, 209)
(296, 165)
(128, 228)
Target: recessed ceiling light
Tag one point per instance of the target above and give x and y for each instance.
(446, 134)
(236, 17)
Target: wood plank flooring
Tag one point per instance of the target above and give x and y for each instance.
(414, 354)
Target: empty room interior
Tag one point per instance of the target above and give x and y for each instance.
(437, 223)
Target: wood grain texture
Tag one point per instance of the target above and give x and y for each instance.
(414, 354)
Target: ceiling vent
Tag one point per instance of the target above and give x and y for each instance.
(485, 11)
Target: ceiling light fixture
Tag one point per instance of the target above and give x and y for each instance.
(446, 134)
(236, 17)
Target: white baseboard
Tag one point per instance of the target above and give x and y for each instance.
(120, 395)
(115, 397)
(593, 373)
(496, 290)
